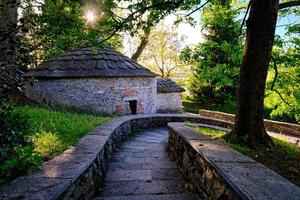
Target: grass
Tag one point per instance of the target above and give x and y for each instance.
(54, 131)
(227, 107)
(284, 158)
(194, 107)
(47, 133)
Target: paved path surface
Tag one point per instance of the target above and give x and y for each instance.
(141, 170)
(288, 138)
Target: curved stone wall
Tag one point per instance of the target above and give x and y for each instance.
(80, 170)
(215, 171)
(270, 125)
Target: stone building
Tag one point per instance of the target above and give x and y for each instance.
(103, 81)
(169, 98)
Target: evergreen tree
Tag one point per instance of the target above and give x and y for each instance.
(216, 60)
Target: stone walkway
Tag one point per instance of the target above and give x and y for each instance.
(141, 170)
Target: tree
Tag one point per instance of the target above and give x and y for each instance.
(53, 27)
(216, 60)
(8, 46)
(261, 26)
(161, 55)
(143, 43)
(256, 57)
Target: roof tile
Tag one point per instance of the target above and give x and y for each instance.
(83, 62)
(165, 85)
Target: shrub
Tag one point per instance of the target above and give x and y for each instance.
(14, 130)
(48, 145)
(17, 155)
(24, 161)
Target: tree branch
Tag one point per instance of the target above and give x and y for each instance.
(240, 32)
(276, 73)
(273, 83)
(197, 8)
(243, 22)
(141, 12)
(288, 4)
(142, 46)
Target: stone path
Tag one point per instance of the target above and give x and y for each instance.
(141, 170)
(288, 138)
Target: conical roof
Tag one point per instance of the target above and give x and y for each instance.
(86, 62)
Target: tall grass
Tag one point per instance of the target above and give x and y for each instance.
(54, 131)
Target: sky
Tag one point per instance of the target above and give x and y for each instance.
(192, 34)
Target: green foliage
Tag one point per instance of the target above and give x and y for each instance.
(34, 134)
(54, 131)
(134, 16)
(216, 60)
(210, 132)
(14, 128)
(218, 134)
(16, 153)
(48, 144)
(283, 95)
(194, 107)
(24, 161)
(54, 27)
(161, 55)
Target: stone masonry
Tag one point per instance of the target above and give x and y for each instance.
(169, 102)
(219, 172)
(140, 169)
(103, 95)
(216, 171)
(80, 170)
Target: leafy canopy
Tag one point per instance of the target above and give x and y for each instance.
(216, 60)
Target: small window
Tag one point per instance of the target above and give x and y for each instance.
(133, 106)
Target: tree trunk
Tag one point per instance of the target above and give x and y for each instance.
(8, 45)
(256, 57)
(141, 47)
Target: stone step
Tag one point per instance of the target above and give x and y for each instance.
(150, 187)
(140, 169)
(152, 197)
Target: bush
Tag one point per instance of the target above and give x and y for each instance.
(48, 145)
(14, 129)
(23, 161)
(16, 153)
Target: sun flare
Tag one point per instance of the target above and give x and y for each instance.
(90, 16)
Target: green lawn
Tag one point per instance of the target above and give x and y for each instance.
(54, 131)
(284, 158)
(194, 107)
(47, 133)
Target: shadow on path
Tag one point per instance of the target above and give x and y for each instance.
(141, 170)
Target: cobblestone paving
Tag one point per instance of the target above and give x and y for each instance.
(141, 170)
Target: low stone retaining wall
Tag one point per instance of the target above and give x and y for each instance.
(215, 171)
(270, 125)
(80, 170)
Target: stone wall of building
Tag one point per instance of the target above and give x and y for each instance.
(102, 95)
(169, 102)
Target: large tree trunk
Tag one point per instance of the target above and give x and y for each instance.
(141, 47)
(8, 45)
(256, 57)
